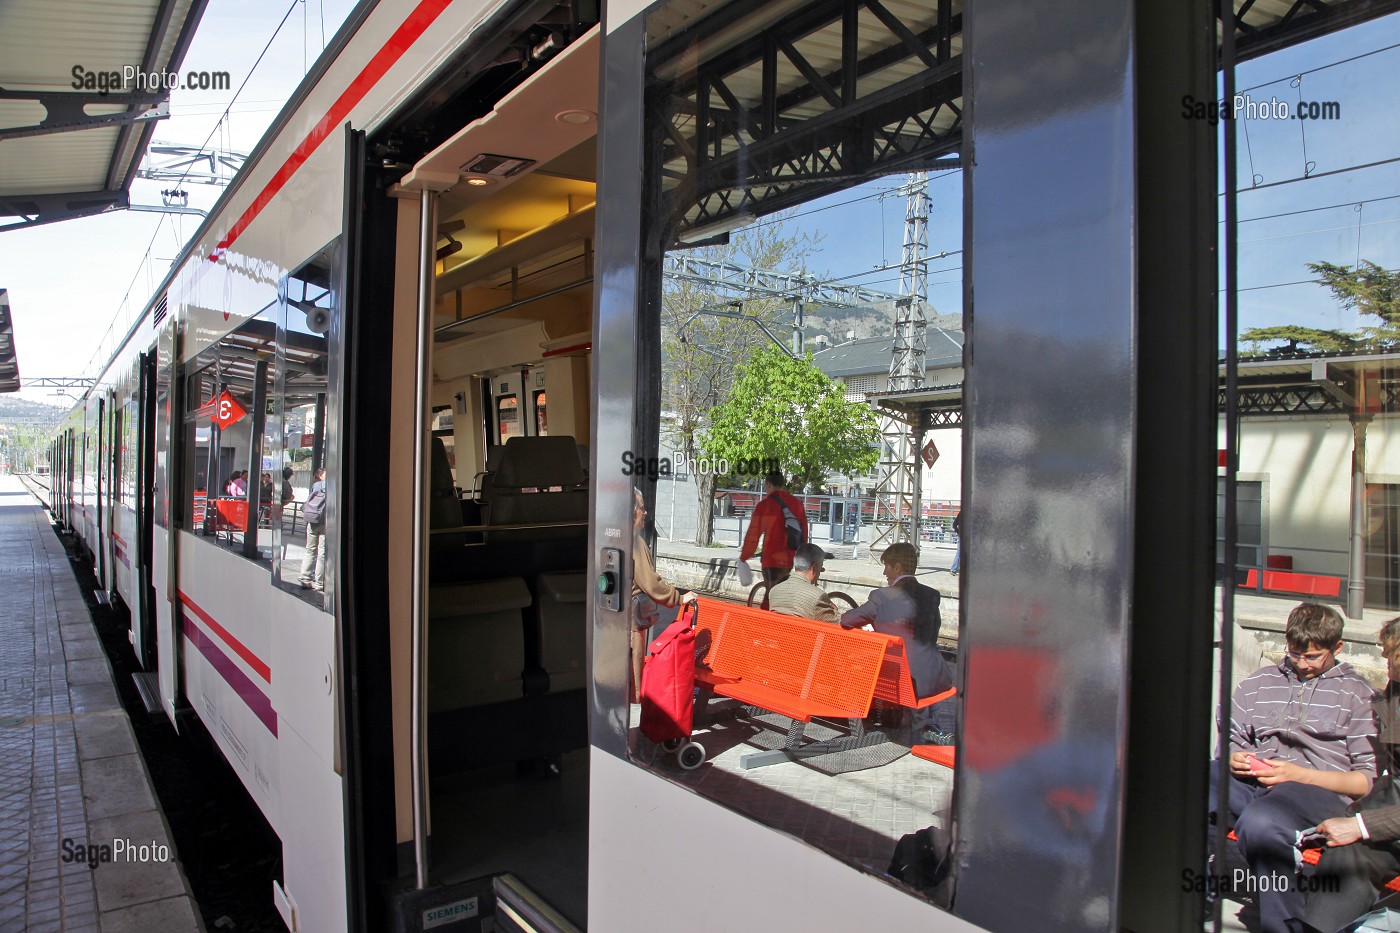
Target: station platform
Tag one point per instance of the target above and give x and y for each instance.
(83, 843)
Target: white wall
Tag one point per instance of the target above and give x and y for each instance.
(1305, 465)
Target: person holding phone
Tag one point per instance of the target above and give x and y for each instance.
(1300, 746)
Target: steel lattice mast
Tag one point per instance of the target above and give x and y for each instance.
(896, 491)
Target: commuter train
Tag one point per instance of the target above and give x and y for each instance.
(437, 284)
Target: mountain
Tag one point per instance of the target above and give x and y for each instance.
(19, 411)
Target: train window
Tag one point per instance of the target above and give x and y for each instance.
(508, 417)
(541, 419)
(809, 221)
(302, 445)
(130, 420)
(226, 403)
(443, 429)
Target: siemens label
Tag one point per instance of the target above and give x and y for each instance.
(447, 913)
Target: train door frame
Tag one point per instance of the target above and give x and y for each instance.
(143, 612)
(116, 424)
(365, 688)
(179, 515)
(99, 549)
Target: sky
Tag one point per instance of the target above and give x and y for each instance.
(62, 314)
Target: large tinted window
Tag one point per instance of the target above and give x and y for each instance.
(228, 388)
(804, 199)
(301, 443)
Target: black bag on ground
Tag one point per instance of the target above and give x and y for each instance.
(923, 860)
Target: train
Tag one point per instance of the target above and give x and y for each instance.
(434, 297)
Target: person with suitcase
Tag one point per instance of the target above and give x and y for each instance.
(649, 592)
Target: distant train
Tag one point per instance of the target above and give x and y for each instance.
(353, 472)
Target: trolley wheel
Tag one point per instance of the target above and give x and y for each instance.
(758, 593)
(671, 746)
(838, 596)
(691, 756)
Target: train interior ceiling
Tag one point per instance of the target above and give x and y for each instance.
(507, 711)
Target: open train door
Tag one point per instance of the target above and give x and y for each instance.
(366, 750)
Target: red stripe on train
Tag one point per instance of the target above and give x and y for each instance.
(240, 649)
(408, 32)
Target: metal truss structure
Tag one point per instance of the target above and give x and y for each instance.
(897, 488)
(1309, 400)
(799, 288)
(60, 382)
(193, 165)
(839, 93)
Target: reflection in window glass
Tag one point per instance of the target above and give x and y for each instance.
(1314, 426)
(302, 517)
(541, 419)
(508, 417)
(226, 403)
(443, 430)
(798, 275)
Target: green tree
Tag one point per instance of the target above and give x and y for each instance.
(1307, 339)
(702, 353)
(788, 410)
(1366, 289)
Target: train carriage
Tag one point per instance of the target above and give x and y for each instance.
(434, 298)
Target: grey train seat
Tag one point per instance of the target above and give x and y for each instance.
(476, 651)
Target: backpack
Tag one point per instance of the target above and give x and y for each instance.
(793, 528)
(315, 509)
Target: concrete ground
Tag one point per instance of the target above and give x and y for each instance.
(70, 773)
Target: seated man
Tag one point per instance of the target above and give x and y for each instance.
(1364, 846)
(1300, 746)
(799, 594)
(909, 609)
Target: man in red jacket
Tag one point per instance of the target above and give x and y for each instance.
(770, 522)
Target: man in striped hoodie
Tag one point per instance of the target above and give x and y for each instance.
(1300, 743)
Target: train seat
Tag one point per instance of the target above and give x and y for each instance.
(563, 613)
(476, 648)
(539, 480)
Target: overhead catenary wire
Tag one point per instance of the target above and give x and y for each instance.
(151, 245)
(1298, 74)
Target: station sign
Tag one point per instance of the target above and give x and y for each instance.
(930, 454)
(226, 411)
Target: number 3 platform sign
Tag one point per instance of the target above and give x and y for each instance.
(227, 411)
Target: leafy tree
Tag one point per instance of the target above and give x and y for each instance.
(1367, 289)
(1305, 339)
(788, 410)
(702, 353)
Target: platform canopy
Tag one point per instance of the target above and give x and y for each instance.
(9, 363)
(69, 152)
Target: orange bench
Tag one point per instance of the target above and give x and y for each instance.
(896, 684)
(795, 667)
(1286, 581)
(944, 755)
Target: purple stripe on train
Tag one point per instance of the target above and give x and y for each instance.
(256, 700)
